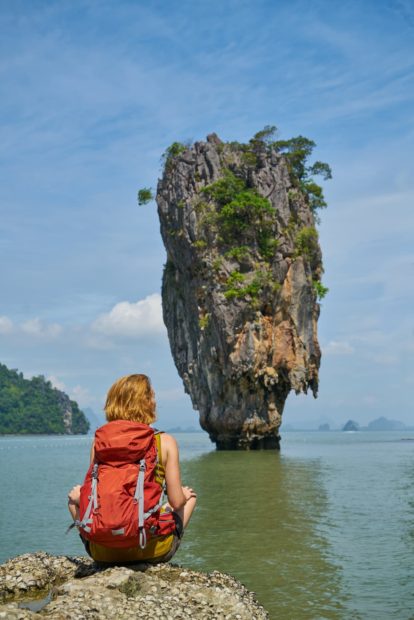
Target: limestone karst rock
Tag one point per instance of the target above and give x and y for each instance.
(240, 285)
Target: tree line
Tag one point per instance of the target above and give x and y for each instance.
(34, 406)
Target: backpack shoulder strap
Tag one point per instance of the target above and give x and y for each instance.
(159, 467)
(159, 472)
(157, 435)
(139, 498)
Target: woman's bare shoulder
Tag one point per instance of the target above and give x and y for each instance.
(169, 448)
(168, 440)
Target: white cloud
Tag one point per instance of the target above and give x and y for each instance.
(6, 325)
(338, 347)
(371, 337)
(172, 394)
(82, 396)
(98, 342)
(132, 320)
(385, 359)
(36, 327)
(59, 385)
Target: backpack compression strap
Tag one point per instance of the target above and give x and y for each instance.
(139, 497)
(93, 502)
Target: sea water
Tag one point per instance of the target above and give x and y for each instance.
(323, 529)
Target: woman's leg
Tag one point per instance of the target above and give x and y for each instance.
(185, 512)
(181, 518)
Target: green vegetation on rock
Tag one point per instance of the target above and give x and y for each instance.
(306, 242)
(307, 245)
(240, 212)
(320, 289)
(225, 190)
(200, 244)
(35, 407)
(236, 222)
(239, 286)
(297, 152)
(264, 136)
(204, 321)
(234, 285)
(145, 196)
(238, 253)
(171, 152)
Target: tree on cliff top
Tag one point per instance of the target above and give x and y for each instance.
(235, 212)
(296, 150)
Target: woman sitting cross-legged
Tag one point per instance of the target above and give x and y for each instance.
(118, 509)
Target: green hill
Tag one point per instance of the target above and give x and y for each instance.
(35, 407)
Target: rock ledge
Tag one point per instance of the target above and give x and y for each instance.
(67, 587)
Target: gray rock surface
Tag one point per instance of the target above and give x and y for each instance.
(238, 357)
(67, 588)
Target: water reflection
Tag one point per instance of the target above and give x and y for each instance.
(403, 574)
(261, 518)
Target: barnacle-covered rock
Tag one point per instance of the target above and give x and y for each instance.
(63, 588)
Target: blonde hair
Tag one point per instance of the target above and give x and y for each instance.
(131, 398)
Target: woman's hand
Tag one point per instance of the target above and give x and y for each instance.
(188, 493)
(74, 495)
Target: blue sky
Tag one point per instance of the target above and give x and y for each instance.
(91, 95)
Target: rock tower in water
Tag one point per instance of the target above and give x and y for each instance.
(242, 280)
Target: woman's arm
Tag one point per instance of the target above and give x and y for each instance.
(74, 494)
(175, 494)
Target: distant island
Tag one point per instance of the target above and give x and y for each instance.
(34, 406)
(187, 429)
(324, 427)
(383, 424)
(351, 426)
(95, 419)
(379, 424)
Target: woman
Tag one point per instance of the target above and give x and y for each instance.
(130, 408)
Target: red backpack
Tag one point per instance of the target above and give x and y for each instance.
(122, 493)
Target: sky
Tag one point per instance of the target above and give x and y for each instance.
(92, 93)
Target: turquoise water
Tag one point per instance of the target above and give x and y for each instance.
(323, 529)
